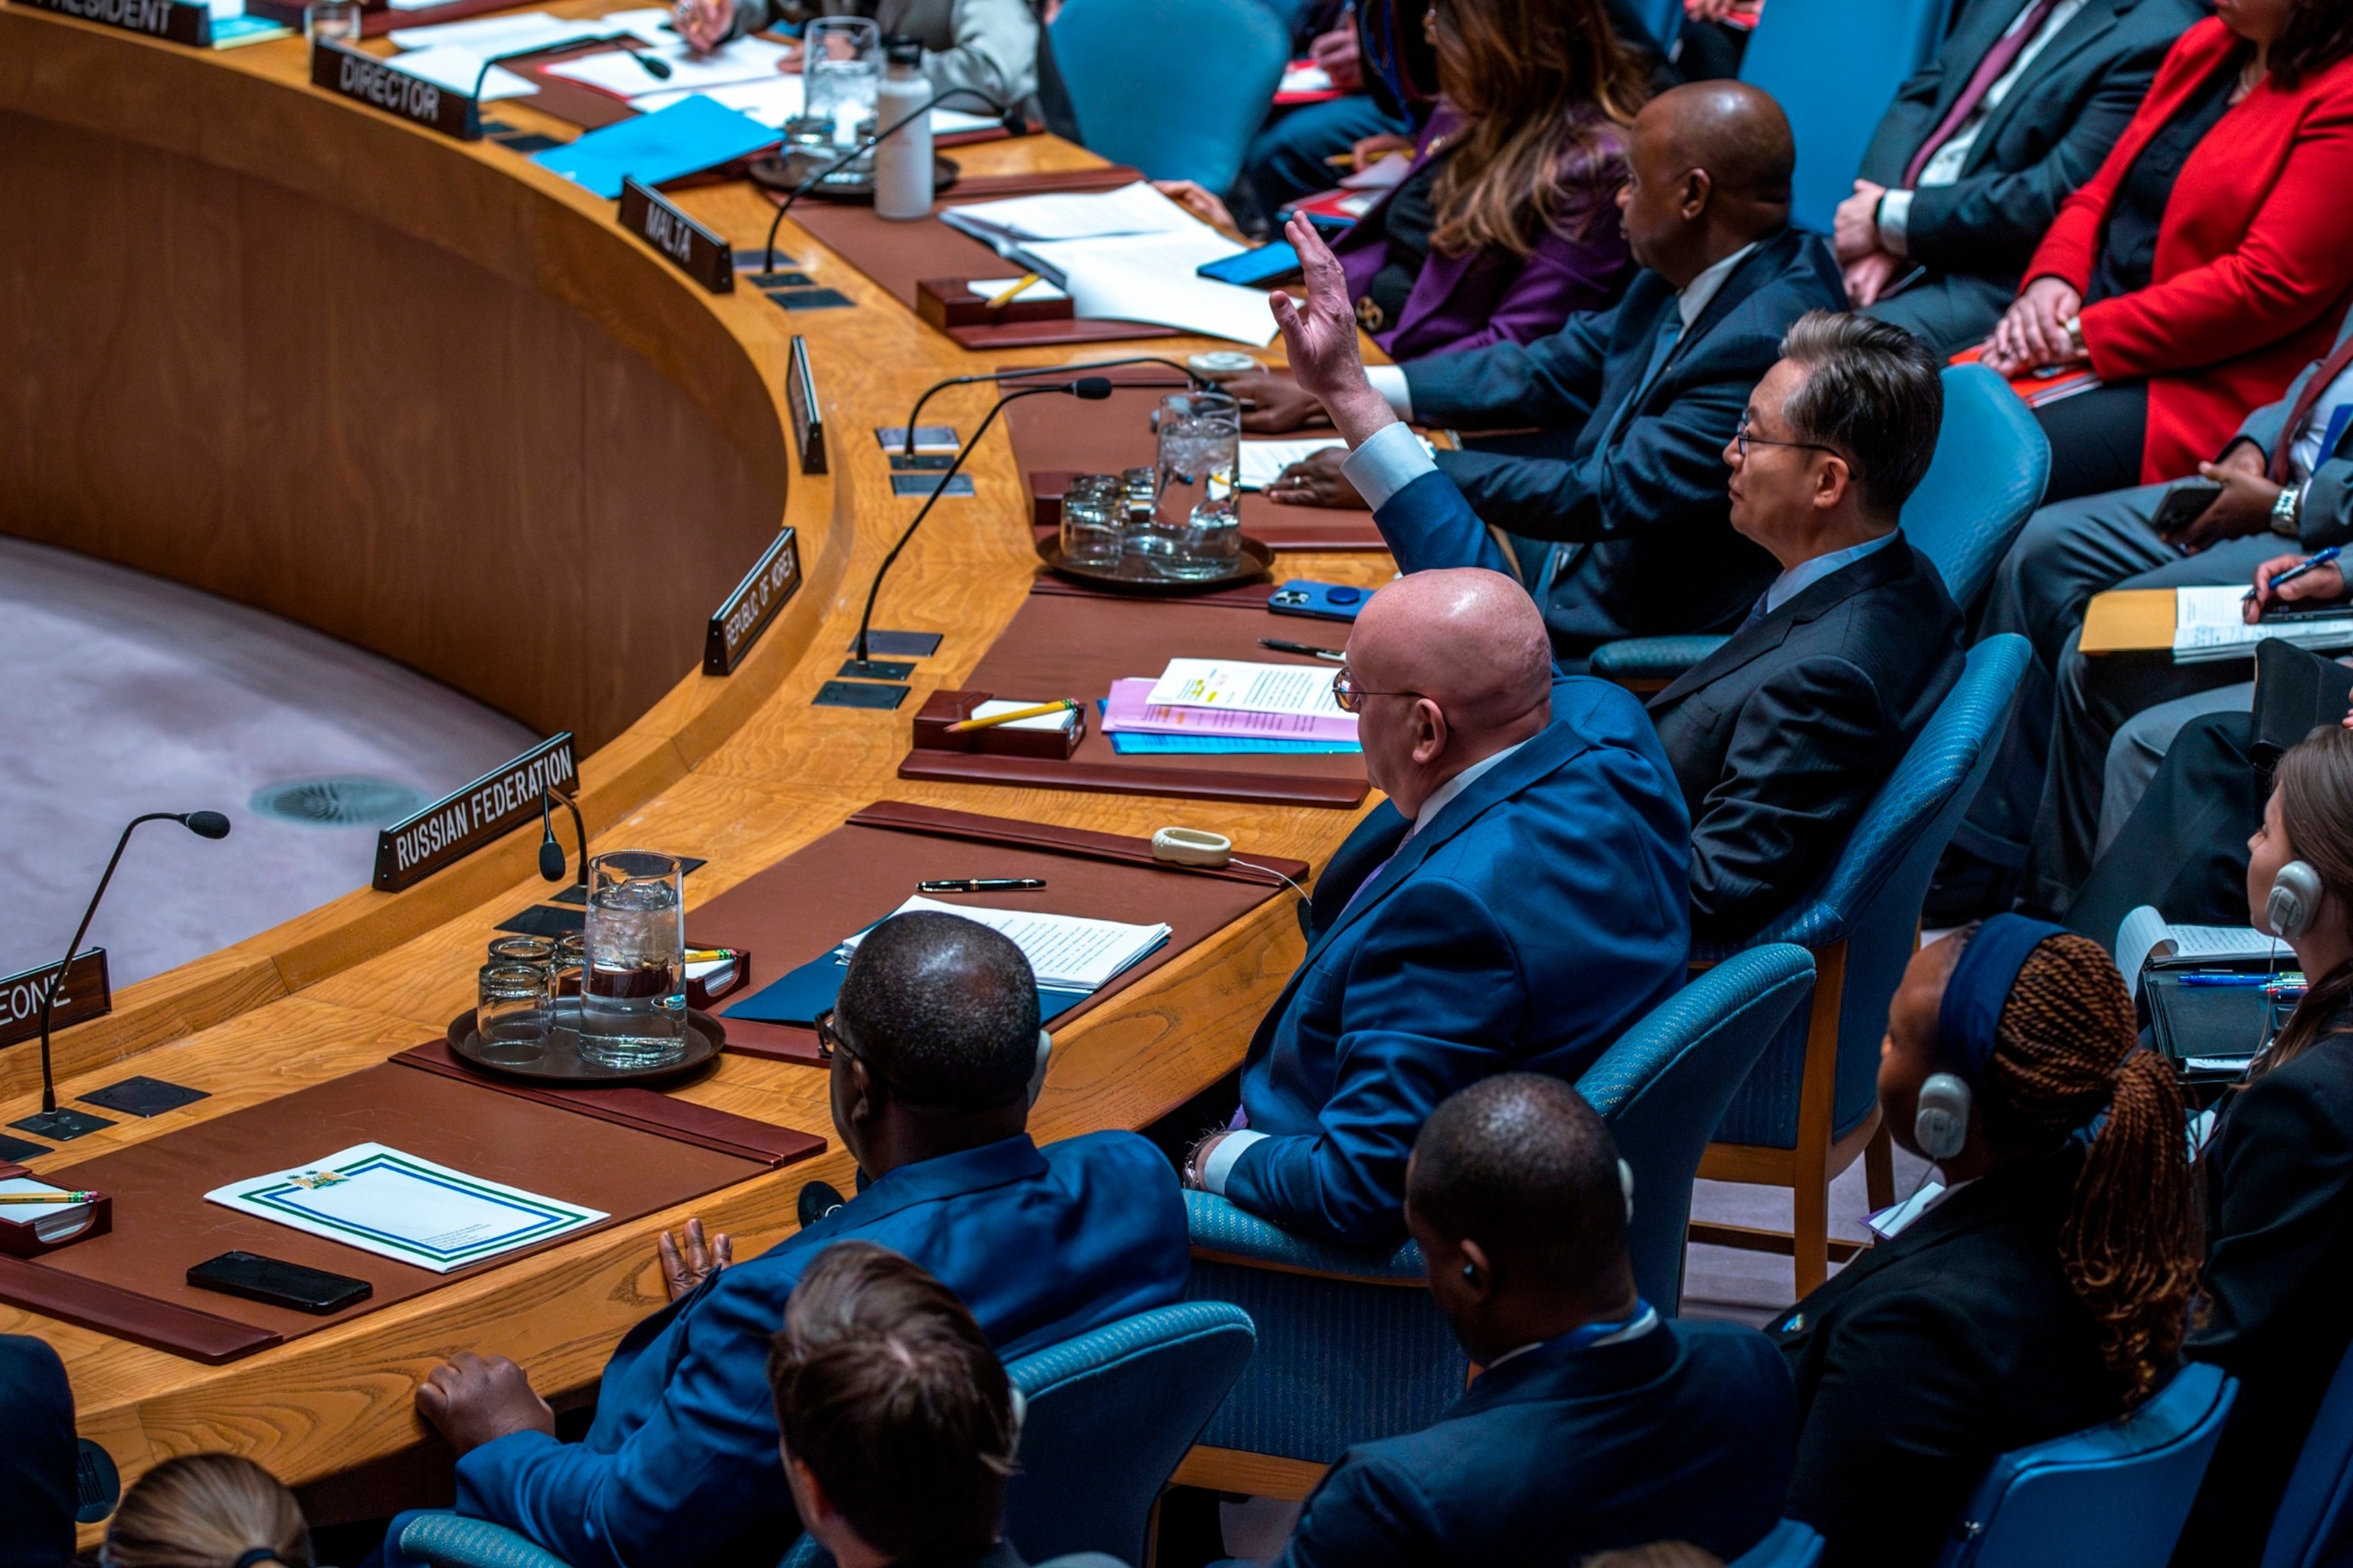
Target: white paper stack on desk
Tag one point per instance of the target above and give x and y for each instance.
(1066, 952)
(2210, 623)
(50, 1222)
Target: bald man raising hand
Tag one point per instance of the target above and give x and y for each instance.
(1515, 903)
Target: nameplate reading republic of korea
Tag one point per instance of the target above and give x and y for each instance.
(456, 826)
(175, 20)
(366, 80)
(775, 578)
(88, 993)
(691, 248)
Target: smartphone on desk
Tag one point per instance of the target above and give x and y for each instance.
(281, 1284)
(1324, 601)
(1259, 269)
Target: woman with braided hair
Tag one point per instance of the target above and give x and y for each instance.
(2278, 1173)
(2043, 1291)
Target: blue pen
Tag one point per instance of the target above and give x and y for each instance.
(2327, 557)
(2225, 980)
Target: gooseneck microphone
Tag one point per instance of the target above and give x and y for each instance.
(1087, 389)
(1012, 116)
(1198, 382)
(657, 69)
(204, 825)
(551, 853)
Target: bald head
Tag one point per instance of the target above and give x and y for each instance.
(1471, 641)
(1734, 132)
(1710, 169)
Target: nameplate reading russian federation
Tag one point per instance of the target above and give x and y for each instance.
(175, 20)
(691, 248)
(87, 993)
(456, 826)
(774, 579)
(367, 80)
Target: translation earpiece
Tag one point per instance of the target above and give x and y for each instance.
(1038, 1073)
(1192, 846)
(1471, 1273)
(1626, 1186)
(2294, 901)
(1940, 1125)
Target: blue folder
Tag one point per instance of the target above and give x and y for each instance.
(690, 136)
(800, 996)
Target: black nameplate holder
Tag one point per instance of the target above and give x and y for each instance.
(174, 21)
(457, 825)
(772, 579)
(808, 419)
(684, 243)
(363, 78)
(87, 994)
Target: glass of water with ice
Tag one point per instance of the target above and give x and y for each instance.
(633, 982)
(841, 68)
(1200, 458)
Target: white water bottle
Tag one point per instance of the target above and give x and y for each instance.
(903, 160)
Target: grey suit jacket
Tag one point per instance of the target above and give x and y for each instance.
(2047, 136)
(2328, 517)
(989, 45)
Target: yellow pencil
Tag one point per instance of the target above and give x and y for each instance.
(1039, 711)
(47, 1197)
(1003, 295)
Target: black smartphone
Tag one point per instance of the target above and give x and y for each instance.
(2184, 504)
(281, 1284)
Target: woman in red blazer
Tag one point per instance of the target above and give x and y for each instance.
(2196, 296)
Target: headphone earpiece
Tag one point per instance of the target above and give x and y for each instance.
(1038, 1073)
(1626, 1187)
(2295, 900)
(1471, 1273)
(1940, 1125)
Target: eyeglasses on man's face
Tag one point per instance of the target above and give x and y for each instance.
(1742, 439)
(830, 1038)
(1350, 697)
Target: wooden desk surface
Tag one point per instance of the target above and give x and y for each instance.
(475, 356)
(2128, 621)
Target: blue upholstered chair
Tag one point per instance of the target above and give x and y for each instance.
(1834, 66)
(1351, 1347)
(2313, 1526)
(1177, 88)
(446, 1540)
(1991, 463)
(2115, 1496)
(1792, 1545)
(1811, 1105)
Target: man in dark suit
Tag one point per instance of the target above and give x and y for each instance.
(1628, 530)
(936, 1050)
(1597, 1424)
(1973, 158)
(1515, 903)
(37, 1457)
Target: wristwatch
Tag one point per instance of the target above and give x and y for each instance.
(2287, 510)
(2075, 325)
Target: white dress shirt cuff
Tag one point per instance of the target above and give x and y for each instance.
(1895, 220)
(1389, 380)
(1391, 458)
(1221, 1163)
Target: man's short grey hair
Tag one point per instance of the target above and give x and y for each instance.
(1871, 393)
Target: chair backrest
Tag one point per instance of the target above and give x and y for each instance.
(1834, 66)
(2313, 1526)
(1792, 1545)
(1109, 1417)
(1992, 462)
(442, 1539)
(1177, 88)
(2115, 1495)
(1871, 897)
(1664, 1085)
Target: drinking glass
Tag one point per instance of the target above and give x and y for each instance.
(563, 970)
(510, 1013)
(1144, 536)
(1094, 517)
(336, 19)
(633, 989)
(1200, 459)
(841, 67)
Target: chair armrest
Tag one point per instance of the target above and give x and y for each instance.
(1224, 1234)
(447, 1541)
(1652, 658)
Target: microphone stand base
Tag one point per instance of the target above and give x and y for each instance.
(61, 1125)
(859, 694)
(874, 670)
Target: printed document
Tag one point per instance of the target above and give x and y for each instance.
(455, 69)
(1305, 690)
(496, 35)
(1132, 711)
(2145, 939)
(613, 71)
(2209, 623)
(1072, 214)
(1066, 952)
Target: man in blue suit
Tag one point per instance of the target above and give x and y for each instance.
(1517, 902)
(37, 1456)
(935, 1053)
(1597, 1424)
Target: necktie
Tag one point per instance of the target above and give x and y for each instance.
(2330, 369)
(1756, 613)
(1999, 58)
(1371, 875)
(1669, 331)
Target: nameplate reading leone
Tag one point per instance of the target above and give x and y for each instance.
(691, 248)
(367, 80)
(177, 20)
(775, 578)
(456, 826)
(87, 993)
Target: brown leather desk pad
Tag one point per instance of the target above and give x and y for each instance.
(798, 908)
(1055, 435)
(132, 1283)
(1075, 644)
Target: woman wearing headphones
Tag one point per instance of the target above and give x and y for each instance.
(2278, 1172)
(2043, 1291)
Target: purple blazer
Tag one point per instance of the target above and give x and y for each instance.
(1469, 302)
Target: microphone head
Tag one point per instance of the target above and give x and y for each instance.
(550, 859)
(1092, 388)
(206, 824)
(659, 70)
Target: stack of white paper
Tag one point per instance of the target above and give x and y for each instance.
(50, 1222)
(1066, 952)
(454, 69)
(2144, 938)
(1304, 690)
(2210, 623)
(496, 35)
(1263, 462)
(1072, 214)
(771, 99)
(613, 71)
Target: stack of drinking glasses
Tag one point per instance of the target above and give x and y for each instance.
(626, 970)
(1179, 521)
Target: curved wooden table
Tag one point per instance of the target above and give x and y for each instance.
(424, 396)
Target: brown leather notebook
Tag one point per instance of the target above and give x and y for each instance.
(1074, 645)
(133, 1282)
(800, 907)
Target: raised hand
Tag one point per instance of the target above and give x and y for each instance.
(1321, 340)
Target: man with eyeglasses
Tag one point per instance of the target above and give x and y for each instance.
(936, 1055)
(1514, 905)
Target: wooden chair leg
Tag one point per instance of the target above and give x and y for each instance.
(1879, 1169)
(1811, 1233)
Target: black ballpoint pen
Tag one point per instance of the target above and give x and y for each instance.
(984, 885)
(1334, 655)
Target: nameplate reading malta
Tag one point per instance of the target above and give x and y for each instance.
(372, 81)
(691, 248)
(452, 828)
(175, 20)
(87, 993)
(775, 578)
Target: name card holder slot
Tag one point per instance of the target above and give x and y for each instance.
(808, 419)
(683, 243)
(173, 21)
(772, 579)
(363, 79)
(88, 993)
(457, 825)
